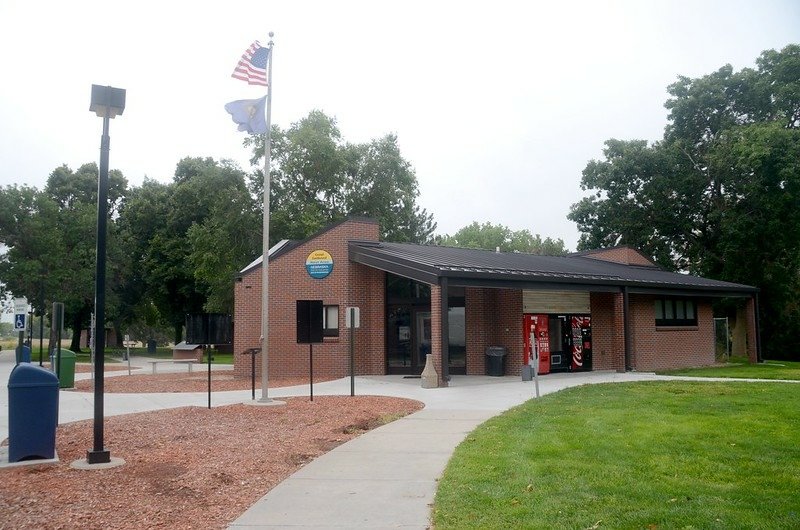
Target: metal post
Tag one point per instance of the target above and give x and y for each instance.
(311, 369)
(265, 242)
(19, 346)
(352, 351)
(253, 373)
(535, 352)
(208, 356)
(99, 455)
(41, 334)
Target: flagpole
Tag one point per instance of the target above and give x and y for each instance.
(265, 243)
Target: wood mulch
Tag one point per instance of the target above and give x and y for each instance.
(185, 468)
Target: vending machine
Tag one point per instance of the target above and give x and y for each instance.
(581, 343)
(538, 326)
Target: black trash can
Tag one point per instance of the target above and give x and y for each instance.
(496, 360)
(151, 346)
(32, 413)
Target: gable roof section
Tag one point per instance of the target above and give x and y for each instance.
(285, 245)
(484, 268)
(620, 254)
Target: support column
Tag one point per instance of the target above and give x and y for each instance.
(753, 330)
(445, 317)
(626, 328)
(436, 332)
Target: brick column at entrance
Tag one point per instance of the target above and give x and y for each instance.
(436, 332)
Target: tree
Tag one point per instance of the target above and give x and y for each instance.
(318, 179)
(490, 237)
(720, 194)
(187, 241)
(51, 240)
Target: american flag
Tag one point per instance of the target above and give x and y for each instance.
(252, 67)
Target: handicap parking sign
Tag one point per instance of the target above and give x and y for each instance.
(19, 322)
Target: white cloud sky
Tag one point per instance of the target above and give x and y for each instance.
(497, 105)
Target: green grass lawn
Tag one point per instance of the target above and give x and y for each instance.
(789, 370)
(652, 455)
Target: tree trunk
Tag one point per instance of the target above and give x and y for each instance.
(118, 333)
(178, 333)
(77, 327)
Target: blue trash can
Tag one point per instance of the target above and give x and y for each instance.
(32, 413)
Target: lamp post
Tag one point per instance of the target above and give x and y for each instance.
(107, 102)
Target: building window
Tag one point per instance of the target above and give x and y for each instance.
(675, 312)
(330, 321)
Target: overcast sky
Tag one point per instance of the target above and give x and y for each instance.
(497, 105)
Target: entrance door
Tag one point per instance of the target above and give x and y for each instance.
(408, 338)
(398, 339)
(422, 343)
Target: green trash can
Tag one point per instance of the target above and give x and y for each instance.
(66, 373)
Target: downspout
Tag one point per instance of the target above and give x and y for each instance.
(445, 323)
(626, 328)
(759, 359)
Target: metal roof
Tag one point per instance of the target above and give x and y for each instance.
(484, 268)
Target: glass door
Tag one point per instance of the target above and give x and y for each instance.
(423, 337)
(398, 339)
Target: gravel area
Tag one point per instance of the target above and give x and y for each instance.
(185, 468)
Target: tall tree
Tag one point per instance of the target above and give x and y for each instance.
(317, 178)
(490, 237)
(187, 241)
(51, 240)
(720, 194)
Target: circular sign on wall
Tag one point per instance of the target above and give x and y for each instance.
(319, 264)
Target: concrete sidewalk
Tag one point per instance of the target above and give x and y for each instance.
(387, 477)
(74, 405)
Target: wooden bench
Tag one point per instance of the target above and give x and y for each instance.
(188, 362)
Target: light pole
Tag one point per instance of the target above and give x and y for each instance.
(107, 102)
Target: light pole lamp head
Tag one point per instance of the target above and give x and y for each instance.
(107, 101)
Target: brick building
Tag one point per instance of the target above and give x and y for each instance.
(610, 309)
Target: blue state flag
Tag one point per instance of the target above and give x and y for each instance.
(249, 114)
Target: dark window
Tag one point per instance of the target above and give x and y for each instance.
(330, 321)
(675, 312)
(403, 290)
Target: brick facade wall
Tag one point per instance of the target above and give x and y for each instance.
(664, 348)
(348, 284)
(608, 340)
(625, 255)
(493, 318)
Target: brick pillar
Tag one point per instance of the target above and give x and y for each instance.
(436, 332)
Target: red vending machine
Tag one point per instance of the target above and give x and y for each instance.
(581, 343)
(538, 324)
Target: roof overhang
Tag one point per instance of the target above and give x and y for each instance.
(372, 255)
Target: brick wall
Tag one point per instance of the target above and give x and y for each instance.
(663, 348)
(436, 332)
(493, 318)
(625, 255)
(348, 284)
(476, 332)
(608, 341)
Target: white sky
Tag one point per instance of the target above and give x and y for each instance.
(497, 105)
